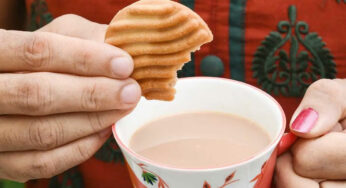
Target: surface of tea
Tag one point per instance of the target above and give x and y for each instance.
(199, 140)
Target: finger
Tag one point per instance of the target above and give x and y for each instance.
(285, 177)
(18, 133)
(51, 93)
(43, 51)
(333, 184)
(343, 124)
(76, 26)
(321, 108)
(23, 166)
(337, 128)
(322, 158)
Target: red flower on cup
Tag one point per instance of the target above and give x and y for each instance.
(228, 180)
(264, 178)
(148, 177)
(259, 177)
(206, 185)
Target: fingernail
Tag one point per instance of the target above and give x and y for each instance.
(122, 66)
(105, 133)
(130, 94)
(305, 121)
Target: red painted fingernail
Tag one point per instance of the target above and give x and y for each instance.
(305, 121)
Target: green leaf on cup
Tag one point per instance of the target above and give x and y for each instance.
(149, 177)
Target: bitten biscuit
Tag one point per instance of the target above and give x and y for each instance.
(160, 36)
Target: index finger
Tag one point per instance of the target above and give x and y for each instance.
(285, 177)
(49, 52)
(333, 184)
(27, 165)
(322, 158)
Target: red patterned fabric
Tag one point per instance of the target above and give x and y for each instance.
(216, 14)
(326, 17)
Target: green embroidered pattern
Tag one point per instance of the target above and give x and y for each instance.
(236, 37)
(188, 69)
(290, 73)
(110, 152)
(69, 179)
(10, 184)
(339, 1)
(39, 15)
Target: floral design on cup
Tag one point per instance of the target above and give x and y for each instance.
(151, 178)
(263, 179)
(259, 177)
(191, 91)
(229, 180)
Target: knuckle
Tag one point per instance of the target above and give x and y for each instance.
(83, 153)
(36, 51)
(65, 17)
(43, 167)
(322, 83)
(82, 64)
(42, 135)
(90, 98)
(33, 96)
(327, 88)
(304, 162)
(96, 121)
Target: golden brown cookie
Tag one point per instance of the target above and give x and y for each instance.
(160, 36)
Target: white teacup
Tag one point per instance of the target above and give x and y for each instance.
(210, 94)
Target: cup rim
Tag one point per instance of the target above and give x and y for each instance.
(271, 146)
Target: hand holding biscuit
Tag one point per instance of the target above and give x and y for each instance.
(61, 89)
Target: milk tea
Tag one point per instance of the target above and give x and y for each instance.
(199, 140)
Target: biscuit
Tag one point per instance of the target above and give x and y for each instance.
(160, 36)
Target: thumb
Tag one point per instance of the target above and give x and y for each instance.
(322, 107)
(76, 26)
